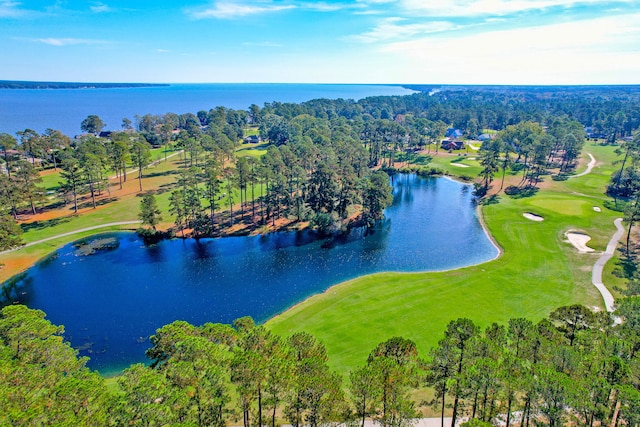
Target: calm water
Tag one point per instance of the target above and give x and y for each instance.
(64, 109)
(112, 301)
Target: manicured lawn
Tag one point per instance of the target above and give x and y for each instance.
(121, 205)
(252, 150)
(537, 273)
(457, 163)
(50, 181)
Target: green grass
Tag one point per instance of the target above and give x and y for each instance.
(447, 163)
(252, 150)
(537, 273)
(159, 153)
(251, 130)
(160, 179)
(51, 182)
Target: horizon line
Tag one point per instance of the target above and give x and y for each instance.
(322, 83)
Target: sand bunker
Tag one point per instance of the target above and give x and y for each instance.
(579, 241)
(597, 209)
(532, 217)
(460, 165)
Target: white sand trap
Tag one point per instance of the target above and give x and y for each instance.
(532, 217)
(460, 165)
(597, 209)
(579, 241)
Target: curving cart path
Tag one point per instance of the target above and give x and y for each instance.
(95, 227)
(590, 167)
(596, 273)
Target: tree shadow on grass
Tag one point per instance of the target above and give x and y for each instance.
(494, 199)
(159, 174)
(628, 265)
(39, 225)
(627, 268)
(520, 192)
(100, 202)
(422, 160)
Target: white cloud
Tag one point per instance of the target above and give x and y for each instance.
(11, 9)
(375, 1)
(99, 7)
(604, 50)
(329, 6)
(232, 10)
(394, 28)
(52, 41)
(468, 8)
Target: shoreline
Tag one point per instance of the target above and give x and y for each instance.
(482, 222)
(289, 227)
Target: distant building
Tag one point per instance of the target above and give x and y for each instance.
(253, 139)
(485, 137)
(590, 132)
(452, 144)
(453, 133)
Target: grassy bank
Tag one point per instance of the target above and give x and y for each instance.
(538, 272)
(117, 205)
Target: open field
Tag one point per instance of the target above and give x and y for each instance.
(537, 273)
(117, 205)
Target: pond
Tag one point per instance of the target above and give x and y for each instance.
(111, 301)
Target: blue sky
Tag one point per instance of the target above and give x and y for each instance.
(362, 41)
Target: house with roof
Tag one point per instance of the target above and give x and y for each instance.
(452, 144)
(592, 133)
(453, 133)
(253, 139)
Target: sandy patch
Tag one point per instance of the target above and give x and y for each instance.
(579, 241)
(460, 165)
(597, 209)
(532, 217)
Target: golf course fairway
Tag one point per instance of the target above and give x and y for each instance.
(537, 272)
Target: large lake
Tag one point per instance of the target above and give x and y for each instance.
(64, 109)
(112, 301)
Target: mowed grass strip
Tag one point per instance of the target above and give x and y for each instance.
(120, 205)
(537, 273)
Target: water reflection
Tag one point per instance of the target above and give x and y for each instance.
(110, 302)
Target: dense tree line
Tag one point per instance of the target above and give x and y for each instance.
(624, 187)
(533, 149)
(313, 170)
(314, 141)
(612, 111)
(575, 367)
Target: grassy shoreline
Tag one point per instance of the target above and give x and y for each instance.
(537, 272)
(534, 272)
